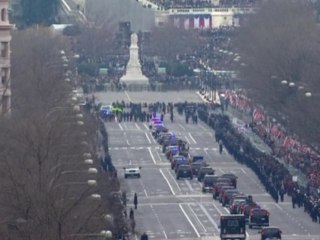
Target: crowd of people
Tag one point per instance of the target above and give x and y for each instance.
(203, 3)
(284, 146)
(274, 175)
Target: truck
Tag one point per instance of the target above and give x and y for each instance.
(232, 226)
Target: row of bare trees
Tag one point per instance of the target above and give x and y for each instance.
(280, 44)
(44, 190)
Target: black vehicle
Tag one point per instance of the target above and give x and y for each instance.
(184, 171)
(207, 183)
(258, 217)
(232, 226)
(232, 177)
(203, 171)
(272, 233)
(196, 167)
(227, 196)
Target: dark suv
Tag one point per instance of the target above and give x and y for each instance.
(184, 171)
(232, 177)
(203, 171)
(258, 217)
(270, 233)
(208, 181)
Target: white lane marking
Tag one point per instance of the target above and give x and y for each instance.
(151, 154)
(209, 217)
(148, 138)
(194, 141)
(137, 126)
(173, 179)
(187, 139)
(243, 171)
(185, 214)
(127, 95)
(128, 142)
(189, 185)
(153, 139)
(277, 205)
(145, 125)
(182, 126)
(160, 159)
(120, 127)
(221, 170)
(205, 230)
(145, 192)
(158, 220)
(218, 210)
(203, 128)
(165, 178)
(164, 233)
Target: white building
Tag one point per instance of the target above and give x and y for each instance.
(5, 38)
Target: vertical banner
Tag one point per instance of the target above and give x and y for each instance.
(186, 23)
(196, 22)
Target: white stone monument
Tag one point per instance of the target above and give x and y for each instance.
(134, 74)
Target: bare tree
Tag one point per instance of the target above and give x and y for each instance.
(43, 188)
(280, 43)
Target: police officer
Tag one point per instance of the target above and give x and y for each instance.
(144, 236)
(135, 201)
(131, 214)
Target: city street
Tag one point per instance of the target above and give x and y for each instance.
(177, 209)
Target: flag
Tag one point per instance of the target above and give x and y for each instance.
(176, 22)
(258, 115)
(207, 22)
(201, 22)
(196, 22)
(186, 23)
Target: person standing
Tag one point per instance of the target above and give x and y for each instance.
(135, 201)
(220, 146)
(131, 214)
(144, 236)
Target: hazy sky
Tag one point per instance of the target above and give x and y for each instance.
(123, 10)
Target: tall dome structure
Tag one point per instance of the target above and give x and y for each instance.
(5, 38)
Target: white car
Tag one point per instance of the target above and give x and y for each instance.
(132, 172)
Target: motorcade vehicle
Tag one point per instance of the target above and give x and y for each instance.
(157, 129)
(132, 172)
(198, 158)
(184, 171)
(234, 204)
(165, 138)
(186, 154)
(178, 159)
(222, 190)
(232, 177)
(232, 226)
(172, 150)
(105, 111)
(227, 195)
(270, 233)
(203, 171)
(195, 166)
(247, 208)
(217, 188)
(178, 163)
(207, 183)
(258, 218)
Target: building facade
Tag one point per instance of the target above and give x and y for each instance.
(5, 38)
